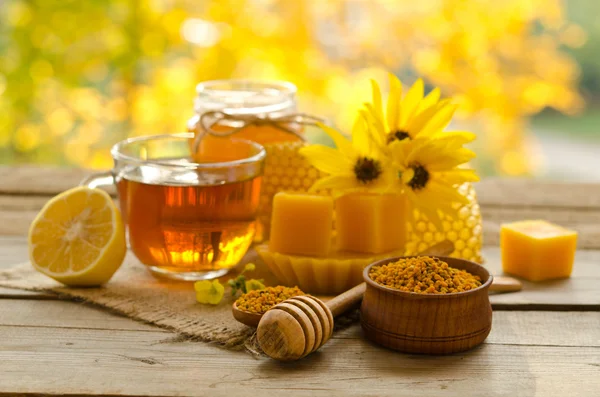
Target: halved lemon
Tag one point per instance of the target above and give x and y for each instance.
(78, 238)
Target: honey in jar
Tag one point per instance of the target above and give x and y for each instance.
(242, 100)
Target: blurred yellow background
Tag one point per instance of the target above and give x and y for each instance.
(78, 76)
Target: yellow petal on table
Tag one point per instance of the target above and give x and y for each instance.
(209, 292)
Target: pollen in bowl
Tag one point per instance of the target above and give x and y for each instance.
(195, 227)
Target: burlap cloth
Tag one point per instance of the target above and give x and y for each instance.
(135, 293)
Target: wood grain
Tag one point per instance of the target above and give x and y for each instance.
(530, 328)
(504, 192)
(36, 180)
(527, 192)
(87, 362)
(65, 348)
(580, 292)
(577, 205)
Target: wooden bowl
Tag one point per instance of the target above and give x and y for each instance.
(427, 323)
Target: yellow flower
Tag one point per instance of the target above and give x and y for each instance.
(354, 166)
(253, 284)
(427, 172)
(250, 267)
(411, 117)
(210, 292)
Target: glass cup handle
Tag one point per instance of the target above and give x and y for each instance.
(104, 178)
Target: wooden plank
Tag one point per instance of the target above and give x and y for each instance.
(37, 360)
(580, 292)
(13, 250)
(526, 192)
(15, 223)
(66, 314)
(542, 328)
(504, 192)
(40, 180)
(519, 192)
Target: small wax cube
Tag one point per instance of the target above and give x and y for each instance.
(537, 250)
(301, 224)
(371, 223)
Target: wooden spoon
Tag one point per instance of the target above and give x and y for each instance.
(244, 317)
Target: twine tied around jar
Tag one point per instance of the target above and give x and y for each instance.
(211, 119)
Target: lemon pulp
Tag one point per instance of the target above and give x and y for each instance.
(78, 238)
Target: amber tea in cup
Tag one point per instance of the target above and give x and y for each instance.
(188, 220)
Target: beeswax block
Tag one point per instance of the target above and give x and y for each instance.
(370, 223)
(537, 250)
(301, 224)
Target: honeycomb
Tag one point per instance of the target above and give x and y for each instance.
(463, 227)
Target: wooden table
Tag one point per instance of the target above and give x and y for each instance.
(545, 341)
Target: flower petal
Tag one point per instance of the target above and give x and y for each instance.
(400, 151)
(327, 159)
(411, 101)
(393, 103)
(455, 138)
(377, 129)
(431, 99)
(439, 121)
(341, 142)
(415, 124)
(446, 160)
(360, 135)
(445, 193)
(376, 92)
(337, 183)
(458, 176)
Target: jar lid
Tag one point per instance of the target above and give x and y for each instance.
(245, 97)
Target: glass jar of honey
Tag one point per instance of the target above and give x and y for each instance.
(242, 101)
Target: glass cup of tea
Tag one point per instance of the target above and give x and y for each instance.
(187, 219)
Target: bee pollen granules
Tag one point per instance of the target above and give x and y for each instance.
(259, 301)
(424, 275)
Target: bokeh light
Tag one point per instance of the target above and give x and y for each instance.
(76, 77)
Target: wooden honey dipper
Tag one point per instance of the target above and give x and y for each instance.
(302, 324)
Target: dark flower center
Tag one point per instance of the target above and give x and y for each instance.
(397, 136)
(367, 170)
(420, 178)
